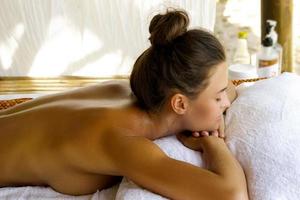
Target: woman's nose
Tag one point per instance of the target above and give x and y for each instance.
(226, 102)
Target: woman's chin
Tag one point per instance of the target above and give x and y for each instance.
(215, 126)
(211, 127)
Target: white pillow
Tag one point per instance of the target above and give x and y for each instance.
(263, 132)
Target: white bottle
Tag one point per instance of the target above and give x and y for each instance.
(270, 31)
(267, 59)
(241, 54)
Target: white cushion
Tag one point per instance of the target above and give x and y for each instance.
(263, 132)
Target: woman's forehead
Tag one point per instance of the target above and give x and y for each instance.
(219, 79)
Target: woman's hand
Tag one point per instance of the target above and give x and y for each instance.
(197, 140)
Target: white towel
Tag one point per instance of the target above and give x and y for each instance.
(263, 132)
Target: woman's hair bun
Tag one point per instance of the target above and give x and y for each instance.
(164, 28)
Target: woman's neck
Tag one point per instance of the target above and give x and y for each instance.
(161, 124)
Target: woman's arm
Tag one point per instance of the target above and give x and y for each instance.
(143, 162)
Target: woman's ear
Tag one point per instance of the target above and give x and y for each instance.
(179, 103)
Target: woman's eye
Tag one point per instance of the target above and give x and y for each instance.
(218, 99)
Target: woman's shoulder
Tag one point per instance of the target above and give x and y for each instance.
(104, 90)
(115, 87)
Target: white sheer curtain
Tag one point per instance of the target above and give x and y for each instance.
(102, 38)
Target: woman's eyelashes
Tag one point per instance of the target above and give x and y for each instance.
(219, 98)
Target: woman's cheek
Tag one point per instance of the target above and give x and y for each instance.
(207, 113)
(214, 110)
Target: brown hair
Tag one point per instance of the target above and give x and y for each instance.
(177, 60)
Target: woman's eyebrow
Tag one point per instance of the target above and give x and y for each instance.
(222, 90)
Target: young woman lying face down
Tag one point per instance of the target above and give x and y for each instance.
(84, 140)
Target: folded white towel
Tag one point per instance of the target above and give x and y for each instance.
(263, 132)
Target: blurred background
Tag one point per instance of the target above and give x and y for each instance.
(233, 16)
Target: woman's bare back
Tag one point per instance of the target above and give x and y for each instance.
(59, 140)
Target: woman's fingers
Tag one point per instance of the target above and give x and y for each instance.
(215, 133)
(204, 133)
(196, 134)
